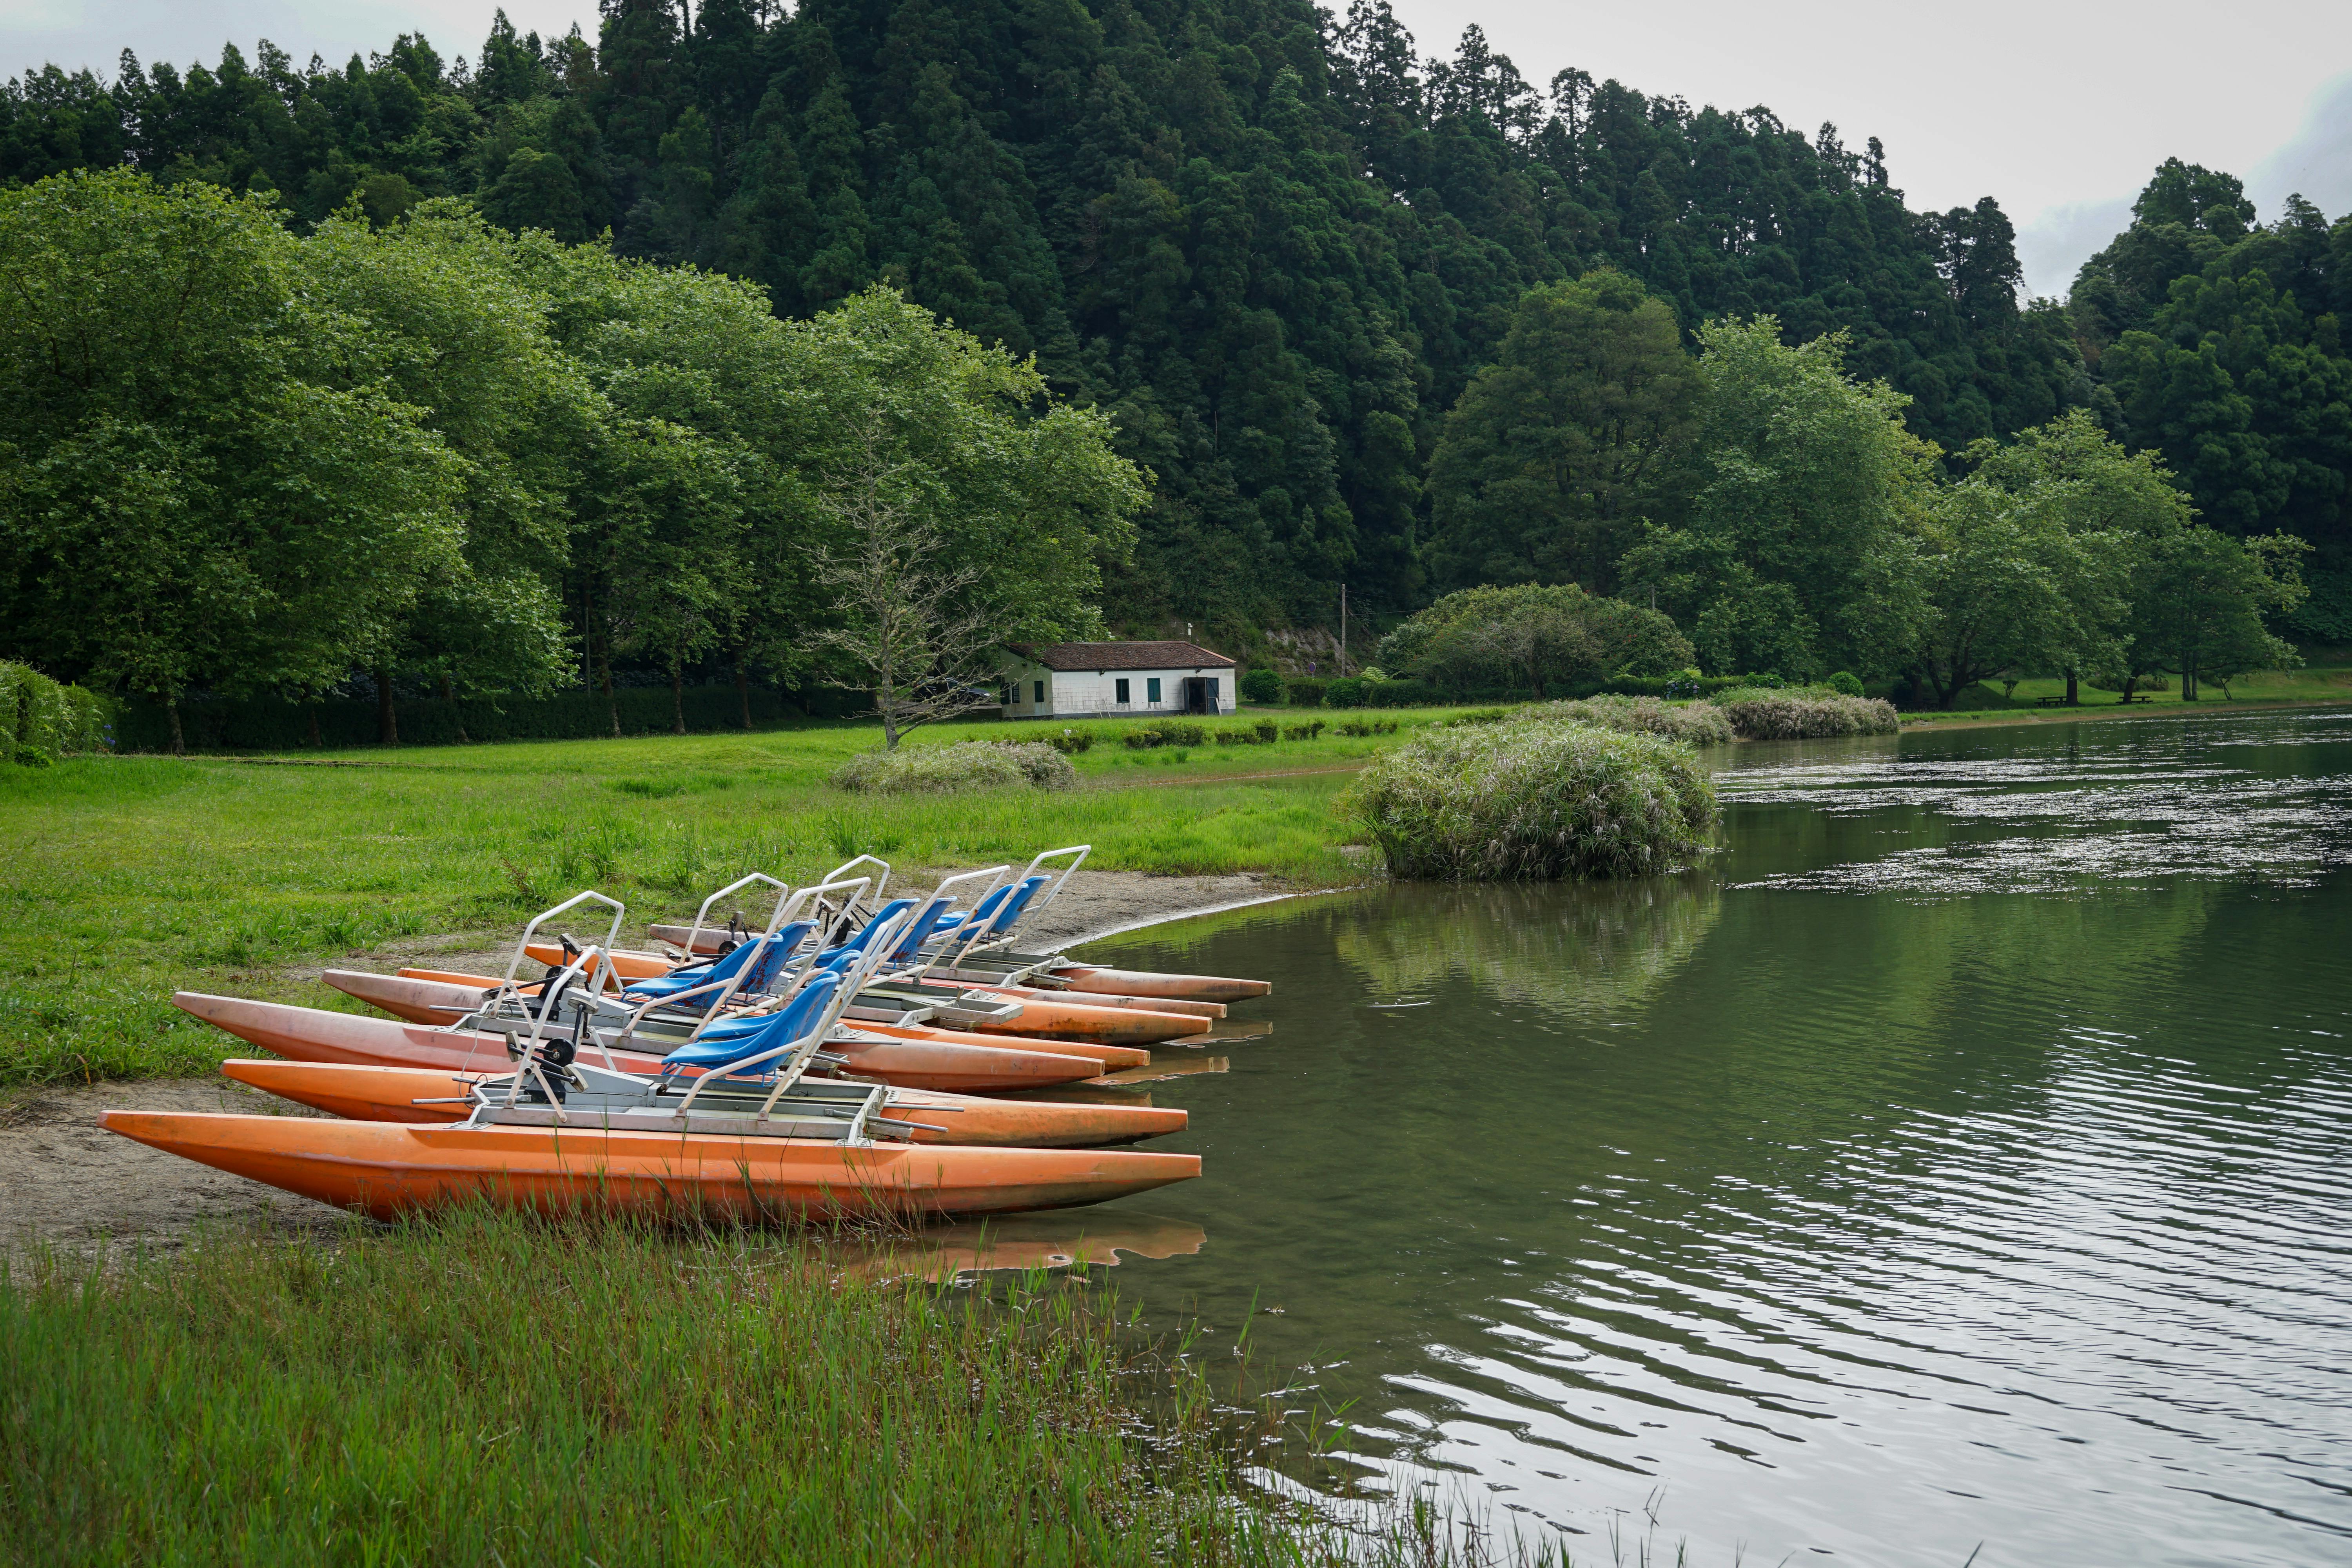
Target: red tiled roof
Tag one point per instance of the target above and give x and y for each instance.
(1121, 656)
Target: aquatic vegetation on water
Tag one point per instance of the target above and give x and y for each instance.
(1534, 800)
(968, 764)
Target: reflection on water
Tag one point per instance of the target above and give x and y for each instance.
(1091, 1237)
(1528, 947)
(1859, 1221)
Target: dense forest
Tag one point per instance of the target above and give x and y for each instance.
(1273, 244)
(1278, 247)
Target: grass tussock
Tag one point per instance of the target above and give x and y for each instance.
(968, 765)
(1697, 723)
(1535, 801)
(486, 1388)
(1804, 713)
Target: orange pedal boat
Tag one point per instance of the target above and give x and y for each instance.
(314, 1035)
(387, 1170)
(437, 1094)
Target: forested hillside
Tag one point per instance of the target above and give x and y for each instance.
(1272, 243)
(2219, 342)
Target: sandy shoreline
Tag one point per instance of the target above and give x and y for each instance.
(65, 1180)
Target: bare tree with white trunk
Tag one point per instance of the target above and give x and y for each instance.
(910, 624)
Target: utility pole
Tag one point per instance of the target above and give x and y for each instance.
(1343, 629)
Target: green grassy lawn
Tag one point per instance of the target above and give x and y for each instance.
(2324, 679)
(130, 878)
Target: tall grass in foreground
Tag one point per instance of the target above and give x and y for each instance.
(1528, 800)
(487, 1389)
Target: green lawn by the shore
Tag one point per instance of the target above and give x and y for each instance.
(610, 1396)
(130, 878)
(2327, 679)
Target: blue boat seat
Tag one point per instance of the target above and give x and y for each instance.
(923, 927)
(724, 1045)
(757, 960)
(857, 943)
(999, 910)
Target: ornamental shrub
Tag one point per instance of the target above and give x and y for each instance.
(1164, 732)
(1069, 740)
(1804, 713)
(1347, 691)
(1260, 686)
(40, 717)
(1305, 694)
(1699, 723)
(968, 765)
(1846, 683)
(1535, 801)
(1302, 732)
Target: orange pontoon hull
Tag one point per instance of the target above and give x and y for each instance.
(1144, 983)
(313, 1034)
(427, 1094)
(386, 1170)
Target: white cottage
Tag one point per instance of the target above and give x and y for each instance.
(1106, 679)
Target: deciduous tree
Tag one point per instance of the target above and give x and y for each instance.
(1560, 449)
(1797, 556)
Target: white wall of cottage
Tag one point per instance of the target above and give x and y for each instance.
(1086, 694)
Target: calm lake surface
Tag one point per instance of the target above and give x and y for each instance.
(1965, 1155)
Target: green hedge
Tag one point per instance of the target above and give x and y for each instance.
(1259, 685)
(1354, 691)
(40, 718)
(268, 725)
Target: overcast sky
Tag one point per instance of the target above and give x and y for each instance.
(2058, 108)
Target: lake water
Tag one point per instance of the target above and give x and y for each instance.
(1964, 1155)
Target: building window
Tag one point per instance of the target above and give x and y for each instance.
(1122, 692)
(1039, 687)
(1151, 690)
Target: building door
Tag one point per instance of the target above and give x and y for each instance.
(1200, 695)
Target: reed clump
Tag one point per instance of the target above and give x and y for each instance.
(1699, 723)
(486, 1387)
(1535, 800)
(968, 765)
(1804, 713)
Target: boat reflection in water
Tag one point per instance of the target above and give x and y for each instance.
(1063, 1240)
